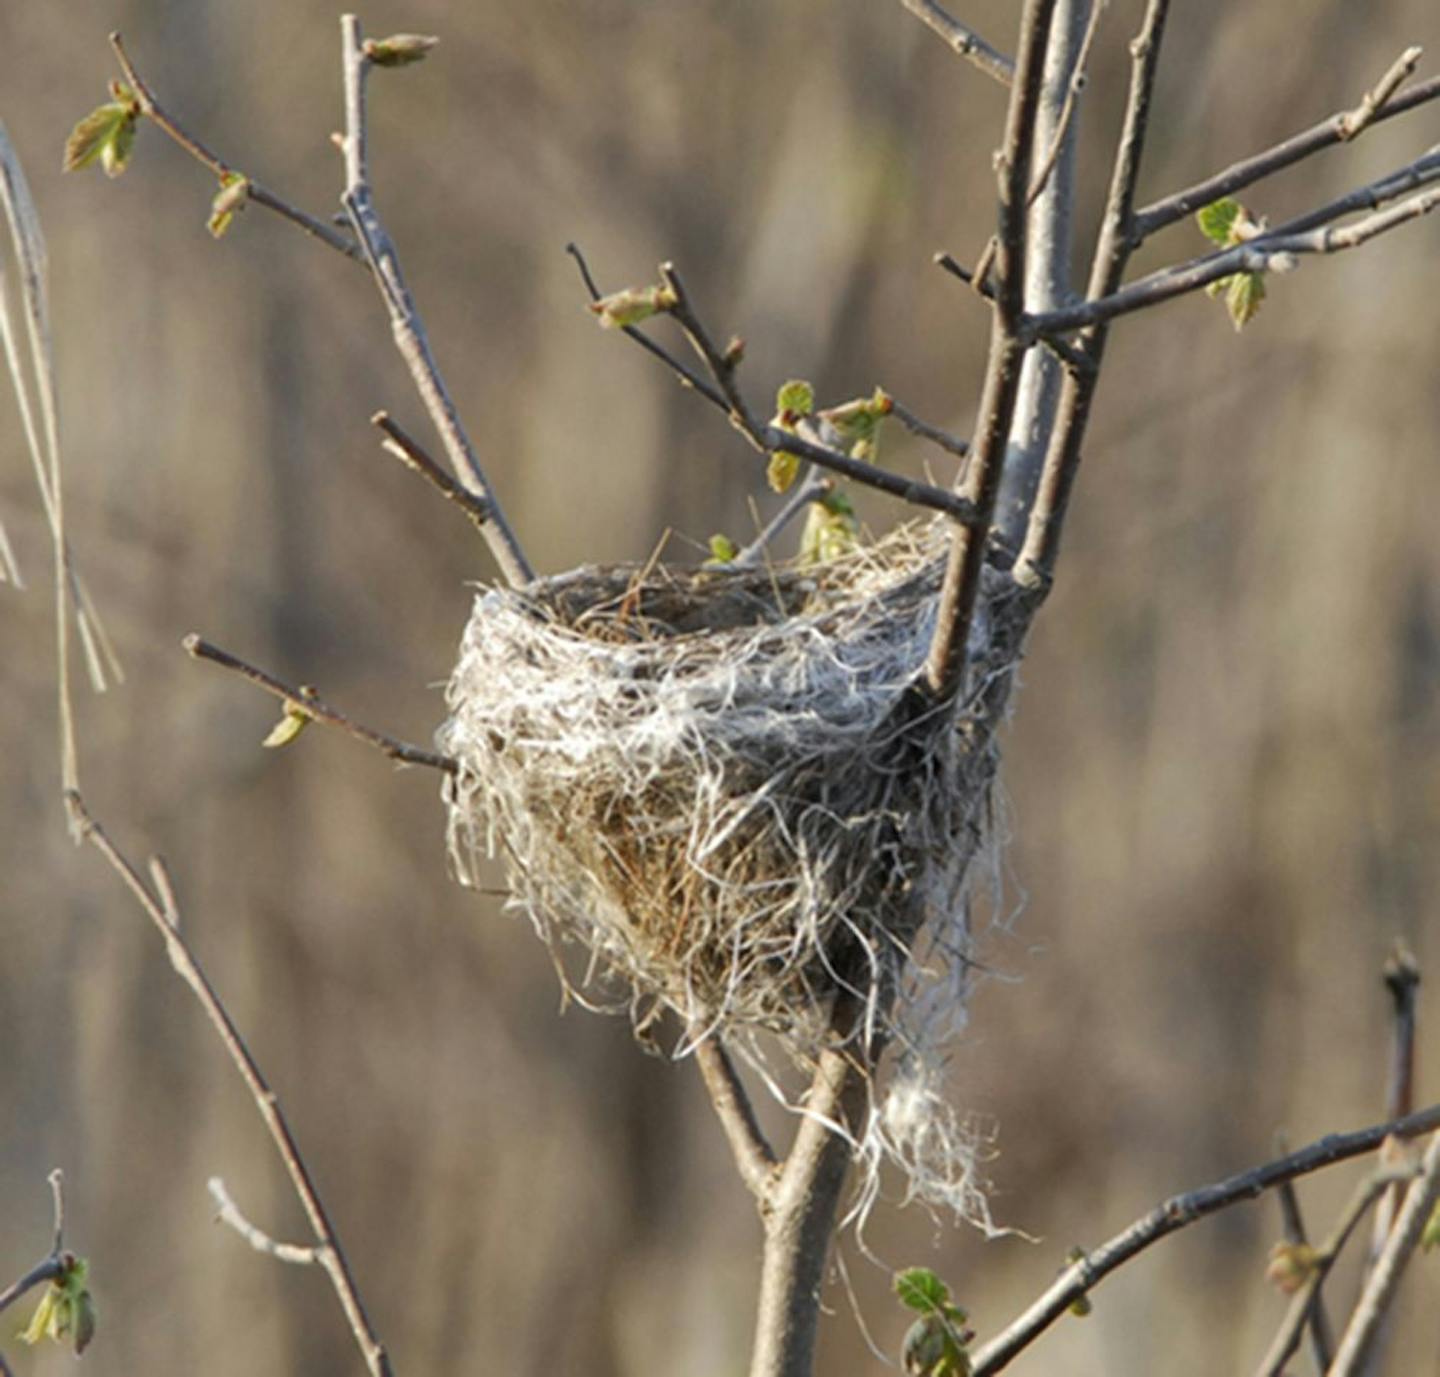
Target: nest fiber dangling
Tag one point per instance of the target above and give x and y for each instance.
(723, 782)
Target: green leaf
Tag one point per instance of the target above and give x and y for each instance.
(94, 138)
(831, 531)
(1243, 296)
(631, 305)
(781, 471)
(66, 1309)
(858, 423)
(400, 49)
(795, 398)
(228, 203)
(932, 1348)
(1217, 220)
(723, 550)
(293, 721)
(921, 1289)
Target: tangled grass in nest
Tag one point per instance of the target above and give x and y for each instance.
(726, 786)
(723, 784)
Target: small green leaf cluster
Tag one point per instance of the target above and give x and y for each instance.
(228, 203)
(1430, 1235)
(936, 1345)
(1227, 223)
(631, 305)
(66, 1310)
(400, 49)
(293, 720)
(106, 135)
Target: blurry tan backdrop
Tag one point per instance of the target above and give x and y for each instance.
(1223, 766)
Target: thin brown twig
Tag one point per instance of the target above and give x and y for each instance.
(168, 124)
(1379, 95)
(953, 444)
(411, 453)
(1322, 1336)
(1259, 166)
(812, 488)
(1311, 233)
(1369, 1314)
(754, 1157)
(1175, 1213)
(769, 439)
(1072, 100)
(53, 1267)
(330, 1254)
(1302, 1304)
(301, 698)
(960, 590)
(962, 41)
(405, 323)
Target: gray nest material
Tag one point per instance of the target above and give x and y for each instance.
(723, 783)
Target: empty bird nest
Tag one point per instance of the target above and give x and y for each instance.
(724, 783)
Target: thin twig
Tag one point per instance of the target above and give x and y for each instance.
(1302, 1304)
(305, 700)
(1256, 168)
(981, 287)
(811, 488)
(229, 1213)
(1375, 1300)
(410, 452)
(754, 1157)
(1378, 97)
(405, 322)
(1173, 1214)
(53, 1267)
(159, 116)
(770, 439)
(960, 589)
(186, 965)
(1322, 1337)
(952, 444)
(966, 42)
(1311, 233)
(57, 1201)
(1074, 86)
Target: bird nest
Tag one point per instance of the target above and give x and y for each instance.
(726, 784)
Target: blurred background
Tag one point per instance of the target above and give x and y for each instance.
(1223, 770)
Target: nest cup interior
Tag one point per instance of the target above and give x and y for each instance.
(722, 783)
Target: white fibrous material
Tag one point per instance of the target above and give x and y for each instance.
(728, 786)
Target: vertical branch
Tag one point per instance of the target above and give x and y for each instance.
(1049, 236)
(1036, 565)
(405, 323)
(958, 593)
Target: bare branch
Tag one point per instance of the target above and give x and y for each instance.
(1073, 87)
(159, 116)
(304, 699)
(1378, 97)
(963, 41)
(812, 488)
(405, 323)
(1306, 234)
(53, 1267)
(1036, 565)
(409, 452)
(1379, 1292)
(767, 438)
(229, 1213)
(960, 589)
(1302, 1304)
(1177, 1212)
(1256, 168)
(952, 444)
(266, 1102)
(1322, 1337)
(754, 1157)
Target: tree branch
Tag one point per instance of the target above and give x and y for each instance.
(1322, 1336)
(1380, 1288)
(754, 1157)
(725, 394)
(1307, 1298)
(229, 1213)
(812, 488)
(1311, 233)
(958, 593)
(962, 41)
(1174, 1214)
(54, 1266)
(305, 700)
(409, 452)
(330, 1254)
(405, 323)
(1259, 166)
(162, 119)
